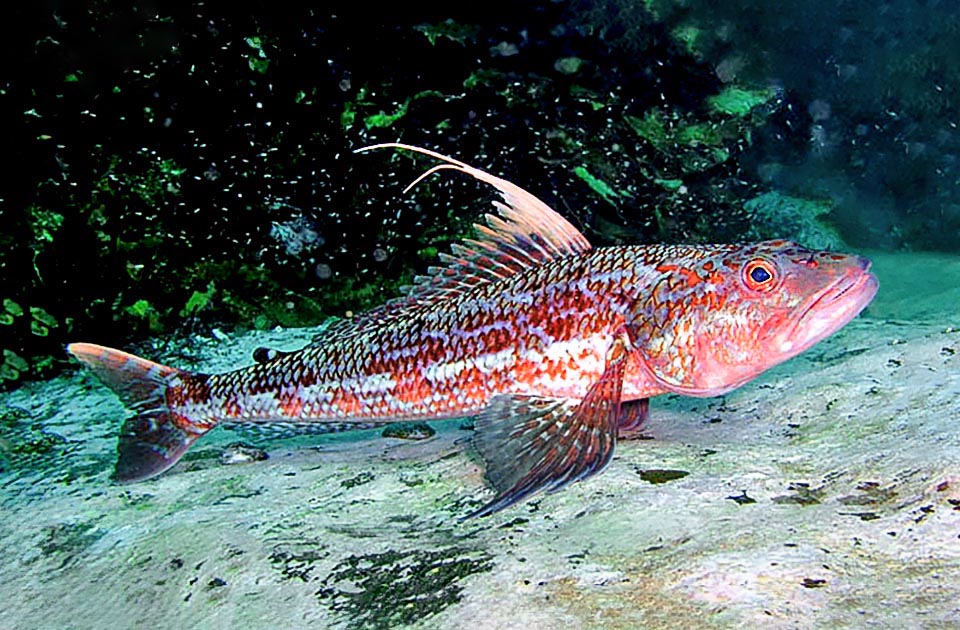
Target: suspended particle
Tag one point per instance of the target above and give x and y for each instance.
(323, 271)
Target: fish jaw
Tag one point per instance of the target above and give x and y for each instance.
(828, 311)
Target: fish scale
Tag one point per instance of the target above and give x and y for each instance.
(554, 346)
(451, 359)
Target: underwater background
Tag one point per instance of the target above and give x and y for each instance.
(181, 184)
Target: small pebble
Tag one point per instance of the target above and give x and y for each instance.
(239, 453)
(409, 431)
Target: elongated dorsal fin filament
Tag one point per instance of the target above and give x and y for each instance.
(522, 214)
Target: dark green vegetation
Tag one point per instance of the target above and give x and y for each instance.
(179, 166)
(396, 588)
(67, 541)
(25, 444)
(358, 480)
(659, 475)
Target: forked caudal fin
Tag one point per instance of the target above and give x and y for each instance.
(156, 437)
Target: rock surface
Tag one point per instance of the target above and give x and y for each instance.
(824, 494)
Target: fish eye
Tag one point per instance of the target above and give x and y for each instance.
(759, 274)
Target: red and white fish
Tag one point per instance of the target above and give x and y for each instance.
(555, 346)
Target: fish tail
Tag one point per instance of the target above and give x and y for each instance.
(157, 436)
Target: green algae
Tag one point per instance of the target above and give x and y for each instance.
(144, 310)
(44, 224)
(199, 300)
(382, 119)
(147, 177)
(670, 184)
(689, 145)
(689, 36)
(651, 128)
(776, 215)
(696, 134)
(664, 130)
(12, 308)
(484, 77)
(298, 564)
(568, 65)
(257, 59)
(602, 188)
(27, 446)
(738, 102)
(42, 317)
(8, 372)
(449, 29)
(13, 365)
(397, 588)
(66, 542)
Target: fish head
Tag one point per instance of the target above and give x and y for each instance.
(718, 317)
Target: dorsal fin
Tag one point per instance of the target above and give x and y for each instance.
(524, 220)
(524, 233)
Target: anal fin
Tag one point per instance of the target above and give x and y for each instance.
(534, 443)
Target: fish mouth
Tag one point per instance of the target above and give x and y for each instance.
(847, 286)
(831, 308)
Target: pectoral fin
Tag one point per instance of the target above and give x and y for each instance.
(533, 443)
(633, 415)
